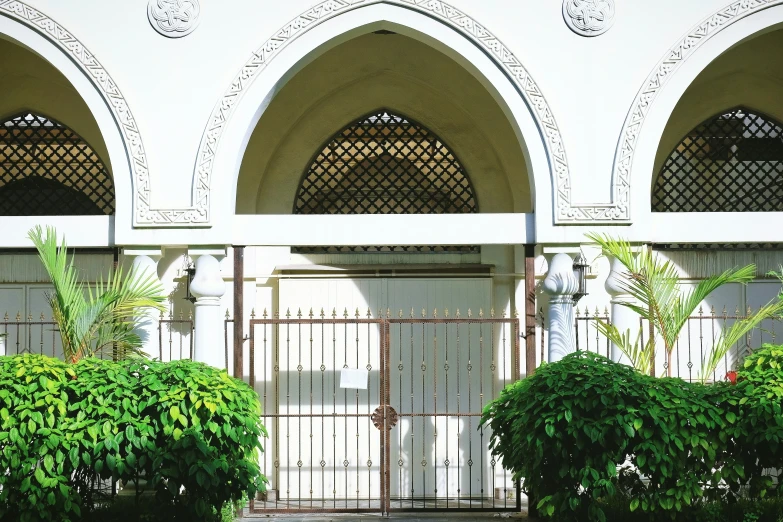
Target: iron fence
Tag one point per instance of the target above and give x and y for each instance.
(25, 334)
(695, 343)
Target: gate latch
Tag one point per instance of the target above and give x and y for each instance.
(391, 417)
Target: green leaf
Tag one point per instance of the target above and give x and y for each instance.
(550, 430)
(634, 504)
(39, 475)
(174, 412)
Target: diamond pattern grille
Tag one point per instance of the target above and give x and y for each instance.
(385, 163)
(732, 162)
(48, 169)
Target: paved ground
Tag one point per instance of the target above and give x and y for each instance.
(413, 517)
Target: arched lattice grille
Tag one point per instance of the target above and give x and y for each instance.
(48, 169)
(385, 163)
(732, 162)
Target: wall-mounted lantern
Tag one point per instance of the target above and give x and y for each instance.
(190, 272)
(581, 269)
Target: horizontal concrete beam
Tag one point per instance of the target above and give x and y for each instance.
(384, 229)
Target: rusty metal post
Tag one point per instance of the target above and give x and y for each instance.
(530, 309)
(239, 313)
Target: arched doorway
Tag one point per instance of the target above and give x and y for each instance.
(384, 125)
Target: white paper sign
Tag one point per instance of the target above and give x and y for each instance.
(356, 379)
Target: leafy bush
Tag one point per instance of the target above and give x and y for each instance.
(761, 376)
(566, 429)
(190, 430)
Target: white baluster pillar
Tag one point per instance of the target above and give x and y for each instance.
(208, 287)
(625, 319)
(146, 262)
(561, 285)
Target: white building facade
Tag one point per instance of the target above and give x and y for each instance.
(396, 159)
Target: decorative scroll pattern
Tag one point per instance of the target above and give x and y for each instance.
(588, 17)
(173, 18)
(444, 13)
(685, 47)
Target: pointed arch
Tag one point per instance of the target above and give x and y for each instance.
(48, 169)
(681, 64)
(435, 23)
(731, 162)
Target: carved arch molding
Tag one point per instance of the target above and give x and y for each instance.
(565, 211)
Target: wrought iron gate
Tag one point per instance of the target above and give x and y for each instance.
(410, 440)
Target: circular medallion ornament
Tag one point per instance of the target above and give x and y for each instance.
(588, 17)
(173, 18)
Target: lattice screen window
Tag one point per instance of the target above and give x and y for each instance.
(732, 162)
(48, 169)
(385, 163)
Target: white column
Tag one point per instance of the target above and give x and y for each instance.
(208, 287)
(561, 285)
(146, 262)
(625, 319)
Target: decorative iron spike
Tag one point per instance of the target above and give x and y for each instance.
(190, 315)
(736, 310)
(171, 315)
(5, 317)
(435, 313)
(277, 314)
(288, 313)
(345, 313)
(265, 314)
(606, 311)
(481, 313)
(161, 315)
(701, 310)
(42, 317)
(322, 315)
(18, 317)
(369, 313)
(457, 314)
(334, 313)
(388, 313)
(310, 315)
(412, 313)
(492, 312)
(516, 313)
(227, 314)
(29, 317)
(503, 314)
(357, 314)
(299, 313)
(470, 313)
(596, 310)
(400, 313)
(749, 311)
(712, 309)
(423, 312)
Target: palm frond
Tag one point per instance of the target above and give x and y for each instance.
(91, 319)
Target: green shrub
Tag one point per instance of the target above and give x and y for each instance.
(191, 431)
(761, 377)
(566, 429)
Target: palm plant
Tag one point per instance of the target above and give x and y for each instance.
(657, 297)
(91, 319)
